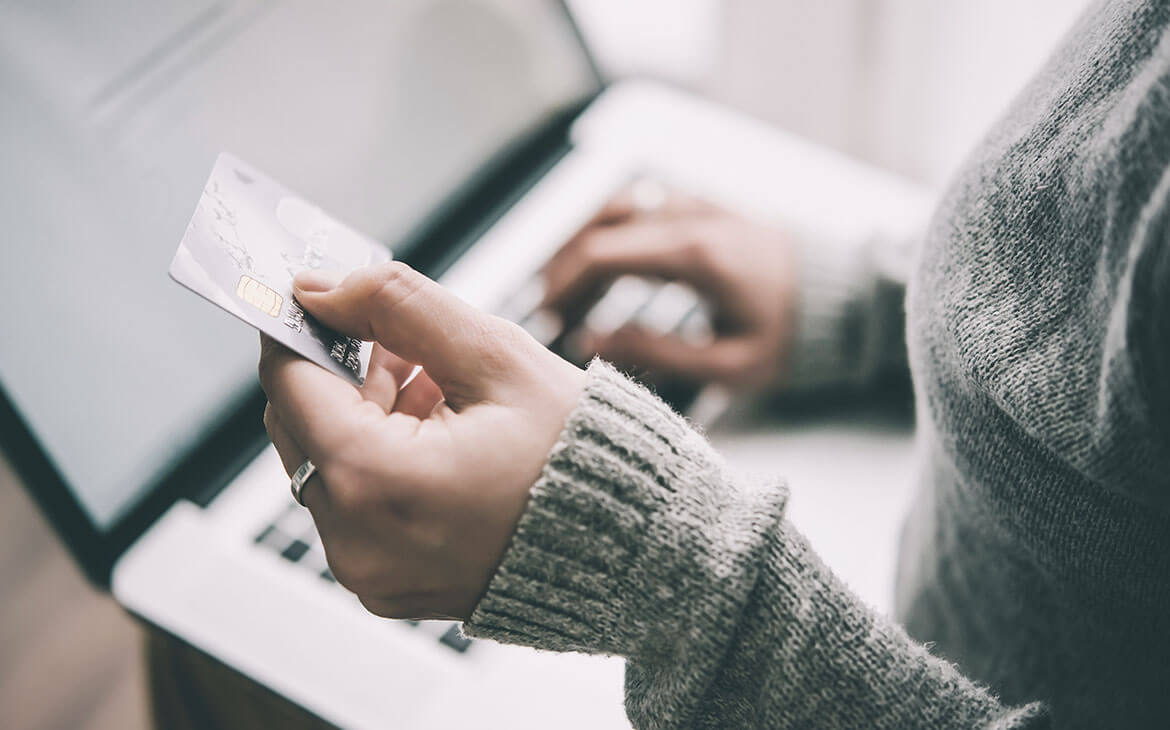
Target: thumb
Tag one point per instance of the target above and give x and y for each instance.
(462, 349)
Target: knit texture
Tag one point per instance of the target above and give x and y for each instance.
(1036, 560)
(636, 542)
(849, 313)
(1038, 553)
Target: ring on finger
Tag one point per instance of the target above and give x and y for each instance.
(303, 473)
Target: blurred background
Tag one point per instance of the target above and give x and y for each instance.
(908, 85)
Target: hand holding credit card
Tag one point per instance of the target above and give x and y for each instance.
(247, 239)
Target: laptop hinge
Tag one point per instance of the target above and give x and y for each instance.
(454, 226)
(235, 445)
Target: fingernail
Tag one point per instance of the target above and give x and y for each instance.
(317, 280)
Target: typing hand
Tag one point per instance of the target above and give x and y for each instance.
(417, 493)
(745, 272)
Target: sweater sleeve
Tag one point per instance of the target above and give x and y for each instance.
(1145, 349)
(1154, 327)
(636, 542)
(850, 315)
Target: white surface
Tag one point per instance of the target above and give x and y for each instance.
(674, 39)
(197, 574)
(850, 486)
(907, 84)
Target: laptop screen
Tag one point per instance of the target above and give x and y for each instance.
(112, 116)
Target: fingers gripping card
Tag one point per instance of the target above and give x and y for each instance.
(247, 239)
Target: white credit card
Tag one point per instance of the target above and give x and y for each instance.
(247, 239)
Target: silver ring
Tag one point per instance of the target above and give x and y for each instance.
(303, 473)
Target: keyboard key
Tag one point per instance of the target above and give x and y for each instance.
(696, 328)
(295, 550)
(619, 305)
(524, 301)
(455, 640)
(668, 308)
(273, 539)
(545, 326)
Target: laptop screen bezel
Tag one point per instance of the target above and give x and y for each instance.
(231, 443)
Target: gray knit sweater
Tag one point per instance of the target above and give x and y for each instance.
(1037, 558)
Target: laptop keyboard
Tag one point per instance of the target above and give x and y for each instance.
(658, 306)
(292, 536)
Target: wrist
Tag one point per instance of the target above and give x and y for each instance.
(631, 507)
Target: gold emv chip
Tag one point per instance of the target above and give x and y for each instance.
(259, 296)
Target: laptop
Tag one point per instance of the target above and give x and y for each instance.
(474, 139)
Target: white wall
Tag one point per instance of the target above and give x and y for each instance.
(909, 84)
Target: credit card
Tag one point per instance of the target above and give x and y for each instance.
(247, 239)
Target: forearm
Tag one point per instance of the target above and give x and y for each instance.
(637, 542)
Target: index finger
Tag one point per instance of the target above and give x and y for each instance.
(317, 408)
(656, 248)
(628, 205)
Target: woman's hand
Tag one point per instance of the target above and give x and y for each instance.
(745, 271)
(418, 491)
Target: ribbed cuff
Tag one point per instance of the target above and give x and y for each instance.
(827, 341)
(618, 526)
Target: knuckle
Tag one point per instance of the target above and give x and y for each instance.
(390, 286)
(595, 252)
(356, 483)
(503, 348)
(487, 337)
(394, 281)
(355, 571)
(589, 246)
(733, 364)
(697, 249)
(348, 492)
(353, 577)
(389, 270)
(366, 472)
(352, 438)
(497, 332)
(559, 281)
